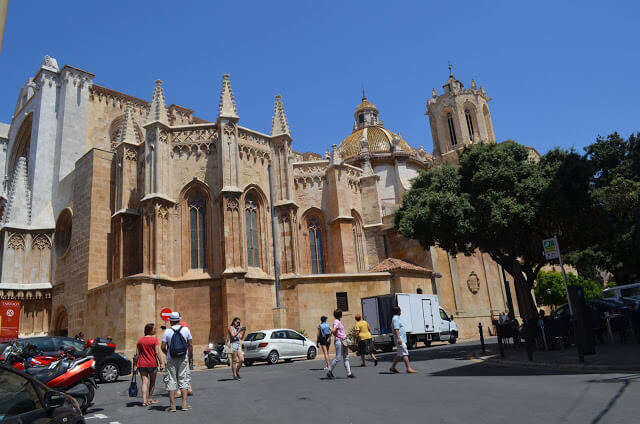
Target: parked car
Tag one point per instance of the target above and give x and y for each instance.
(108, 368)
(23, 399)
(275, 344)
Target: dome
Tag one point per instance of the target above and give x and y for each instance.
(379, 139)
(365, 105)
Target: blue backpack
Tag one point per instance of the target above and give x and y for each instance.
(178, 345)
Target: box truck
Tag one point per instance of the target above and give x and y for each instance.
(423, 318)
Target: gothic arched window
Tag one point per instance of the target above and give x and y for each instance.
(467, 115)
(315, 245)
(197, 213)
(358, 245)
(452, 130)
(251, 219)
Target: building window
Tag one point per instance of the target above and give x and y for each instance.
(315, 245)
(197, 231)
(251, 220)
(342, 301)
(452, 130)
(358, 245)
(361, 118)
(467, 115)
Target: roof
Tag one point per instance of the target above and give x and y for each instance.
(393, 264)
(365, 105)
(378, 138)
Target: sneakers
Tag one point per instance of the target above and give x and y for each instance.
(330, 375)
(351, 376)
(325, 369)
(375, 362)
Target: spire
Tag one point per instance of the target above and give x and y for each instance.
(128, 132)
(158, 111)
(279, 124)
(227, 107)
(450, 71)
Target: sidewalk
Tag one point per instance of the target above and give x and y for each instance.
(608, 358)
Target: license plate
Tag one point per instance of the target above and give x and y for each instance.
(251, 348)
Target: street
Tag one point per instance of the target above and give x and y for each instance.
(450, 387)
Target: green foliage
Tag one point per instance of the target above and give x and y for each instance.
(304, 333)
(549, 289)
(351, 335)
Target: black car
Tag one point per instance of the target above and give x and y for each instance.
(108, 368)
(23, 399)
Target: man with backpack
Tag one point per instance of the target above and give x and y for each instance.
(178, 346)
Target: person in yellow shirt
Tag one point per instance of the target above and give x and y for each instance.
(365, 340)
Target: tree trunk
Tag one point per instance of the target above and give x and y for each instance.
(524, 296)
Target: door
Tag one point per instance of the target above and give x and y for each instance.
(445, 325)
(370, 314)
(19, 400)
(297, 343)
(427, 315)
(279, 340)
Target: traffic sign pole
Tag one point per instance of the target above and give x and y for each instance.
(564, 276)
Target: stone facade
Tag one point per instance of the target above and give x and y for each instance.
(115, 207)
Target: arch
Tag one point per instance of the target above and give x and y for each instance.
(196, 225)
(357, 231)
(255, 225)
(62, 235)
(61, 322)
(315, 235)
(21, 144)
(471, 122)
(114, 131)
(487, 123)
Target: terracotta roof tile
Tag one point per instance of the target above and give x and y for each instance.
(393, 264)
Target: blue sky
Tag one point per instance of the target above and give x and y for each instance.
(559, 73)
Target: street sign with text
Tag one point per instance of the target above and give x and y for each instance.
(550, 247)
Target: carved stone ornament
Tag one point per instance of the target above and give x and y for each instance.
(163, 212)
(232, 204)
(16, 241)
(41, 241)
(130, 154)
(473, 282)
(229, 129)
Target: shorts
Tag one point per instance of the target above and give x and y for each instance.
(402, 350)
(147, 370)
(236, 346)
(325, 341)
(178, 374)
(365, 347)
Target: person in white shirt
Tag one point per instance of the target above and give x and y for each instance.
(178, 368)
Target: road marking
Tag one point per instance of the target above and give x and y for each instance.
(98, 416)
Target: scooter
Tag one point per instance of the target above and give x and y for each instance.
(215, 355)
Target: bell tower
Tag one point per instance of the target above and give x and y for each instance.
(459, 117)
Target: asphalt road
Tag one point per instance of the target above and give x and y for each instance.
(448, 388)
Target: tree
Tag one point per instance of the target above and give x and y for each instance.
(549, 289)
(502, 202)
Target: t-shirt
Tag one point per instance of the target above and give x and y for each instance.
(340, 333)
(396, 324)
(168, 334)
(147, 352)
(363, 327)
(324, 329)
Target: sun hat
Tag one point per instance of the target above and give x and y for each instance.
(174, 316)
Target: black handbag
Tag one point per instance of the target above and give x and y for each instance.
(133, 387)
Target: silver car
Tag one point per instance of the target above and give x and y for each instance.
(273, 345)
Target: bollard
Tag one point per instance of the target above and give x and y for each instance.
(481, 336)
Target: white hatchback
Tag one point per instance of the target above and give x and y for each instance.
(273, 345)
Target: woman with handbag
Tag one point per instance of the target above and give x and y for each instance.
(236, 334)
(147, 363)
(324, 339)
(342, 346)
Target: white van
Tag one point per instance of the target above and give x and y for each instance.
(423, 318)
(626, 291)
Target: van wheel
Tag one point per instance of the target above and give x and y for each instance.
(453, 338)
(311, 353)
(273, 357)
(411, 343)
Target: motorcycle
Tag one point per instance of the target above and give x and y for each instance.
(71, 374)
(215, 355)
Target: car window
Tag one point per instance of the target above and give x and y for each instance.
(252, 337)
(44, 344)
(443, 315)
(75, 344)
(278, 335)
(294, 336)
(17, 395)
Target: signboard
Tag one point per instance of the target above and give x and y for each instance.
(9, 319)
(550, 247)
(164, 314)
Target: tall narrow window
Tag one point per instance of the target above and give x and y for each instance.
(358, 245)
(197, 231)
(251, 218)
(452, 130)
(315, 245)
(467, 115)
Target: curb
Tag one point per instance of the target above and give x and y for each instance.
(552, 365)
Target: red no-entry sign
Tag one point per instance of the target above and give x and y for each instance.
(164, 314)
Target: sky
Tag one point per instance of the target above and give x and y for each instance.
(559, 73)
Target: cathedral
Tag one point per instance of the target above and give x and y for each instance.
(115, 207)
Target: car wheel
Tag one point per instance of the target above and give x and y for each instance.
(453, 338)
(109, 372)
(311, 353)
(248, 362)
(273, 357)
